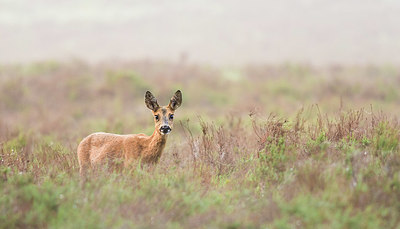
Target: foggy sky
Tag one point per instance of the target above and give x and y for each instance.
(216, 32)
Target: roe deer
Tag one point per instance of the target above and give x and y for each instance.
(100, 147)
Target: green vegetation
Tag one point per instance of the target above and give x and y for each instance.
(335, 165)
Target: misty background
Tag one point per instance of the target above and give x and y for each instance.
(213, 32)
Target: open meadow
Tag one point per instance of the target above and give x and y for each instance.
(262, 146)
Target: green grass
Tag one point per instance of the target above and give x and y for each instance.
(221, 168)
(279, 188)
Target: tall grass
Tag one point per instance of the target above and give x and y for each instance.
(226, 165)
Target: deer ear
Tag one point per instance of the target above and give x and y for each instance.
(151, 101)
(176, 100)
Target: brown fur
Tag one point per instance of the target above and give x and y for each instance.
(98, 148)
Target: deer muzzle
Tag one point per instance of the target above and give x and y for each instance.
(165, 129)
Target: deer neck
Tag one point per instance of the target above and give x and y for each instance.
(157, 144)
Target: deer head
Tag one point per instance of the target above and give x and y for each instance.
(164, 115)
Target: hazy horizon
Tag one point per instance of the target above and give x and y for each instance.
(222, 32)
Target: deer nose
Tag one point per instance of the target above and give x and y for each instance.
(165, 129)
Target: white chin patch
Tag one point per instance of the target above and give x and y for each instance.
(169, 131)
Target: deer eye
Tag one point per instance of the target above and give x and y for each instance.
(171, 117)
(156, 117)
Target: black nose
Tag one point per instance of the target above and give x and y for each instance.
(165, 129)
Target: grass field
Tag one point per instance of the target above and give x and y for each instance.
(288, 146)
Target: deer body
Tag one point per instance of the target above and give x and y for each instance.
(101, 147)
